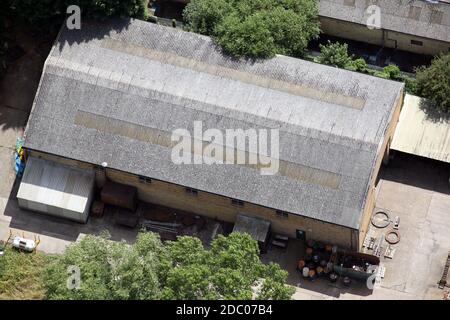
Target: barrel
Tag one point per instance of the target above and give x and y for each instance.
(305, 272)
(319, 270)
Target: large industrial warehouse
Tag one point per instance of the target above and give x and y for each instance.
(111, 94)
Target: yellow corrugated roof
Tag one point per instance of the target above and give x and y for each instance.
(420, 133)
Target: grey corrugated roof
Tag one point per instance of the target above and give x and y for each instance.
(108, 86)
(395, 16)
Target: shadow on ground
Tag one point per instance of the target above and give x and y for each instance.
(419, 172)
(432, 113)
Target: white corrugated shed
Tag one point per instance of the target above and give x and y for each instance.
(421, 134)
(55, 189)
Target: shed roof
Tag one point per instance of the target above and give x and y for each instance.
(112, 92)
(422, 134)
(52, 184)
(416, 17)
(257, 228)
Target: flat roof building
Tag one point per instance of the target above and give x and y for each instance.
(114, 93)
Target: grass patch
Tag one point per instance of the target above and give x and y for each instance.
(21, 274)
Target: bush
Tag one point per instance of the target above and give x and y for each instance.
(255, 28)
(392, 72)
(359, 65)
(335, 54)
(433, 82)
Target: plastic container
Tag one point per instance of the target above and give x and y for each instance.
(305, 272)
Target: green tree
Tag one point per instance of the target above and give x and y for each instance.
(110, 270)
(255, 28)
(251, 37)
(335, 54)
(203, 16)
(181, 269)
(230, 269)
(433, 82)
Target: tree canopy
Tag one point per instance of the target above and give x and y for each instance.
(181, 269)
(433, 82)
(255, 28)
(109, 270)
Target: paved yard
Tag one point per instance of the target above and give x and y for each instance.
(417, 191)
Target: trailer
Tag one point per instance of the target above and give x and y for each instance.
(355, 265)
